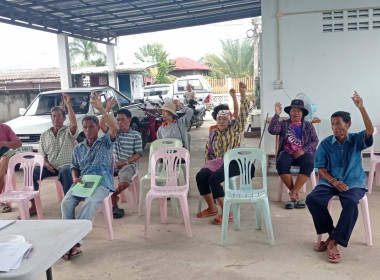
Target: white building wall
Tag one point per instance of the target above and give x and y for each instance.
(327, 66)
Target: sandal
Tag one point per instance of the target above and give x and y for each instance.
(118, 212)
(322, 246)
(5, 208)
(206, 213)
(72, 253)
(334, 257)
(219, 220)
(289, 205)
(300, 204)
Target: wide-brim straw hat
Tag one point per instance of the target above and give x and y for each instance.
(297, 103)
(169, 106)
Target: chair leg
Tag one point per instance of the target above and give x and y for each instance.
(175, 206)
(200, 199)
(268, 220)
(185, 215)
(59, 189)
(226, 213)
(142, 195)
(24, 210)
(132, 197)
(106, 206)
(366, 220)
(371, 175)
(123, 196)
(164, 210)
(377, 174)
(37, 200)
(257, 209)
(236, 215)
(148, 204)
(279, 190)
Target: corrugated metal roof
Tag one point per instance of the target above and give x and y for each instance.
(184, 63)
(104, 20)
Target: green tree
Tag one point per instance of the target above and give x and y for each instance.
(155, 53)
(88, 52)
(235, 61)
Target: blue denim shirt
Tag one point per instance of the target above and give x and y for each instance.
(344, 161)
(95, 160)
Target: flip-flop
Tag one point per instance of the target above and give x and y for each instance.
(300, 204)
(289, 205)
(322, 246)
(218, 222)
(205, 213)
(334, 257)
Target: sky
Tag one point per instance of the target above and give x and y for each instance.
(24, 48)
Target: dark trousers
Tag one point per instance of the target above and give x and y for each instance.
(317, 202)
(64, 176)
(286, 160)
(209, 182)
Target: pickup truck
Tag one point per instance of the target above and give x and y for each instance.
(36, 118)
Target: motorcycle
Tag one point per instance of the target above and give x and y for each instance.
(199, 113)
(150, 124)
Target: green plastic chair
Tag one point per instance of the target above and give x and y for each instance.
(160, 174)
(245, 157)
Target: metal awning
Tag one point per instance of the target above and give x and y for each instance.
(104, 20)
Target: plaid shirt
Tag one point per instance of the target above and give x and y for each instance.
(58, 150)
(230, 138)
(309, 137)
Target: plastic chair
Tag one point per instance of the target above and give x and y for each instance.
(160, 176)
(366, 220)
(245, 158)
(282, 188)
(134, 190)
(374, 163)
(58, 186)
(171, 158)
(28, 160)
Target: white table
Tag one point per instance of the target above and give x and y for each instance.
(51, 239)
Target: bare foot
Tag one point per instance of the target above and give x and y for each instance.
(333, 252)
(322, 246)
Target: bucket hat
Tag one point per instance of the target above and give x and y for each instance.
(169, 106)
(297, 103)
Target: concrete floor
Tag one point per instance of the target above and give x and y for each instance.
(169, 254)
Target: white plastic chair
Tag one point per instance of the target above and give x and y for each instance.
(28, 160)
(245, 158)
(374, 163)
(366, 219)
(160, 176)
(282, 188)
(171, 159)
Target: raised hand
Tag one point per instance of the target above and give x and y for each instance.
(358, 101)
(110, 103)
(278, 108)
(66, 98)
(242, 87)
(233, 93)
(96, 101)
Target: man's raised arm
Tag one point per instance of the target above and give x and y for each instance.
(358, 101)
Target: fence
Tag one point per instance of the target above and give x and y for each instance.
(224, 85)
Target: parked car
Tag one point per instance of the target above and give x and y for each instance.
(199, 85)
(153, 93)
(36, 118)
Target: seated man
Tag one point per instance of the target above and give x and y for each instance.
(127, 150)
(56, 145)
(8, 140)
(338, 160)
(92, 156)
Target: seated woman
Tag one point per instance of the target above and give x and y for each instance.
(174, 127)
(224, 137)
(296, 146)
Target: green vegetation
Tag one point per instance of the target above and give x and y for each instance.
(88, 52)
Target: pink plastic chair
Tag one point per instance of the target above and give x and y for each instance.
(58, 186)
(374, 164)
(171, 160)
(28, 160)
(283, 188)
(134, 191)
(366, 220)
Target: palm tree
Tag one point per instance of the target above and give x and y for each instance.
(235, 61)
(86, 50)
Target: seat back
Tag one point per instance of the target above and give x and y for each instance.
(376, 130)
(245, 158)
(161, 143)
(28, 161)
(171, 158)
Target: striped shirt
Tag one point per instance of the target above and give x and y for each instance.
(126, 145)
(231, 137)
(58, 150)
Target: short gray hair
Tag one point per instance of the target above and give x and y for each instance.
(91, 118)
(58, 108)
